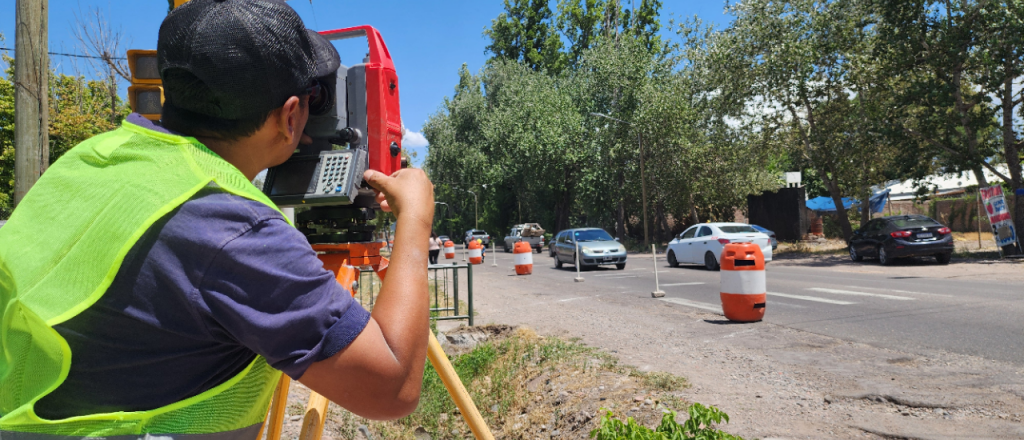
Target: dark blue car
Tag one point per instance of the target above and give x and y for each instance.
(775, 243)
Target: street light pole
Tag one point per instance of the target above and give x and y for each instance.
(643, 181)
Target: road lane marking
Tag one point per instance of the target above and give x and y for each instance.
(851, 292)
(680, 284)
(620, 276)
(578, 297)
(903, 292)
(685, 302)
(811, 298)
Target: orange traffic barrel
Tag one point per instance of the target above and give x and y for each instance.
(449, 250)
(743, 283)
(476, 255)
(522, 256)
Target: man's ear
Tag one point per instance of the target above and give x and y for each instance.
(289, 119)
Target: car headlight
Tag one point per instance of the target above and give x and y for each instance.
(622, 248)
(586, 250)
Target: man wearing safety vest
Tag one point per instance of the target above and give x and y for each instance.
(147, 288)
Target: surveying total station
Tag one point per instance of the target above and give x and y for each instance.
(355, 125)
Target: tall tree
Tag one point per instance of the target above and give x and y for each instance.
(948, 62)
(526, 33)
(78, 110)
(801, 56)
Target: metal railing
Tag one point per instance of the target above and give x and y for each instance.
(451, 292)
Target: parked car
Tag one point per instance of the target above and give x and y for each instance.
(443, 238)
(900, 236)
(769, 233)
(596, 246)
(530, 233)
(474, 234)
(703, 243)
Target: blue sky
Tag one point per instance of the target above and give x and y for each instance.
(429, 40)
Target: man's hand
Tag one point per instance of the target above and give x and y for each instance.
(379, 375)
(407, 191)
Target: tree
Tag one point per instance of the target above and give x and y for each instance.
(79, 109)
(948, 62)
(801, 64)
(525, 32)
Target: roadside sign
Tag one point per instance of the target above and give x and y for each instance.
(998, 216)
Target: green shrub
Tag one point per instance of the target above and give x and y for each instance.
(702, 425)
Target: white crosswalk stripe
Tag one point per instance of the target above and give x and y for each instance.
(851, 292)
(811, 298)
(680, 284)
(717, 308)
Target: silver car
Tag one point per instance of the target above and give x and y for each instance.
(596, 248)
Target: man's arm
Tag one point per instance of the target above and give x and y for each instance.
(379, 375)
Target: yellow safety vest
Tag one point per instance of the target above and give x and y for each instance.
(60, 251)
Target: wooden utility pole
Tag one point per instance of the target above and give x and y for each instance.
(31, 106)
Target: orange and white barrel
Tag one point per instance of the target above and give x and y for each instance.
(522, 257)
(743, 283)
(449, 250)
(476, 255)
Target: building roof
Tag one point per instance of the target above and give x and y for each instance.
(942, 184)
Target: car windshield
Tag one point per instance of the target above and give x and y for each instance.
(736, 229)
(914, 222)
(592, 235)
(478, 233)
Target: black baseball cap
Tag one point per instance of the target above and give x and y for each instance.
(233, 59)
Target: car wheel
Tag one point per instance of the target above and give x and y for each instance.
(620, 266)
(883, 258)
(672, 259)
(558, 263)
(710, 263)
(853, 254)
(943, 258)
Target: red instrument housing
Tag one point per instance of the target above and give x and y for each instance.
(383, 114)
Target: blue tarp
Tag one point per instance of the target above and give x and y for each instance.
(825, 204)
(877, 201)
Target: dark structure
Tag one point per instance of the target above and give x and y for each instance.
(783, 211)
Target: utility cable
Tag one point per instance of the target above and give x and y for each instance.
(75, 55)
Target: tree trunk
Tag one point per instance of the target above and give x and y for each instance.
(865, 205)
(1012, 153)
(837, 197)
(693, 211)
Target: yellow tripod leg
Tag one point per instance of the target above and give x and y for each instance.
(280, 403)
(458, 391)
(316, 416)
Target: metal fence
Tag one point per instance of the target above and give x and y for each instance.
(450, 287)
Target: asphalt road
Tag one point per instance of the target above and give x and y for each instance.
(894, 308)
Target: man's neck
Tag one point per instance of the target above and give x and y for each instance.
(236, 153)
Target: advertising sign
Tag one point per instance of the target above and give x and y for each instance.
(998, 216)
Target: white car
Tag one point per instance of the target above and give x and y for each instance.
(703, 243)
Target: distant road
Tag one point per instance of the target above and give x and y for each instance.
(910, 307)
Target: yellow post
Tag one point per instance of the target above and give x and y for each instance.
(179, 2)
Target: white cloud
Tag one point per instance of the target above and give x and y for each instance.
(414, 139)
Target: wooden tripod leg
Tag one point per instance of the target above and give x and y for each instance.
(316, 416)
(277, 408)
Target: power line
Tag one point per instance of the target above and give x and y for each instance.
(75, 55)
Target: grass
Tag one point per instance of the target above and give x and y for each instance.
(828, 247)
(498, 374)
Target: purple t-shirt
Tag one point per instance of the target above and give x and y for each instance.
(207, 288)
